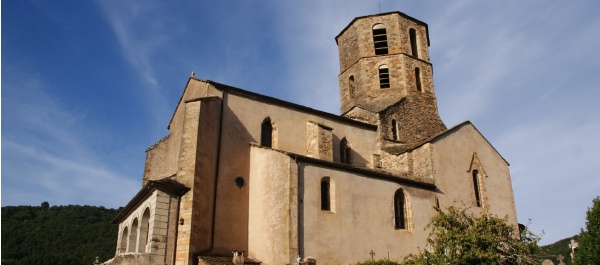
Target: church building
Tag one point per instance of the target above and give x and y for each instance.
(247, 178)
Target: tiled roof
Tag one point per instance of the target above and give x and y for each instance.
(166, 185)
(404, 178)
(279, 102)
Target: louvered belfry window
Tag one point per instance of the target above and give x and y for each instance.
(380, 39)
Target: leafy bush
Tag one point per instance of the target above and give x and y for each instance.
(460, 238)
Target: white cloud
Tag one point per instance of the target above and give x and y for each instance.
(142, 35)
(310, 53)
(47, 156)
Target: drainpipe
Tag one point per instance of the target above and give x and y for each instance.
(176, 231)
(300, 216)
(218, 162)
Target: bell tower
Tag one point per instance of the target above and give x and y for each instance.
(386, 77)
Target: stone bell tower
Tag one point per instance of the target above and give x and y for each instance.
(386, 77)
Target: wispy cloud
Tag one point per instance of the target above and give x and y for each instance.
(46, 154)
(310, 55)
(142, 35)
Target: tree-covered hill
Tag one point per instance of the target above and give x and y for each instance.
(70, 234)
(560, 247)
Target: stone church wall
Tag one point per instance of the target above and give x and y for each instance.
(396, 164)
(422, 162)
(319, 141)
(453, 156)
(272, 222)
(242, 119)
(162, 157)
(148, 242)
(361, 219)
(416, 117)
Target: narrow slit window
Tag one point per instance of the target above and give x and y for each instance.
(351, 87)
(413, 42)
(345, 151)
(476, 187)
(394, 130)
(325, 195)
(399, 210)
(380, 39)
(418, 79)
(266, 134)
(384, 77)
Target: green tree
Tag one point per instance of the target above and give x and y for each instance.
(57, 235)
(457, 237)
(589, 239)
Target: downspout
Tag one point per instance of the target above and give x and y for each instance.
(217, 166)
(176, 230)
(300, 214)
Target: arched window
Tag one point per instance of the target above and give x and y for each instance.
(124, 238)
(144, 231)
(418, 79)
(384, 76)
(413, 42)
(266, 133)
(476, 187)
(325, 194)
(399, 210)
(380, 39)
(133, 235)
(394, 130)
(351, 87)
(345, 151)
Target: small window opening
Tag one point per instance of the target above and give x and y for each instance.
(380, 39)
(476, 186)
(418, 79)
(351, 87)
(394, 130)
(345, 151)
(384, 77)
(413, 42)
(325, 195)
(240, 182)
(399, 210)
(266, 135)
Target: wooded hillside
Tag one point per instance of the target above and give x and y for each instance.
(67, 235)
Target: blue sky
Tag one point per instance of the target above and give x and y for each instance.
(87, 86)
